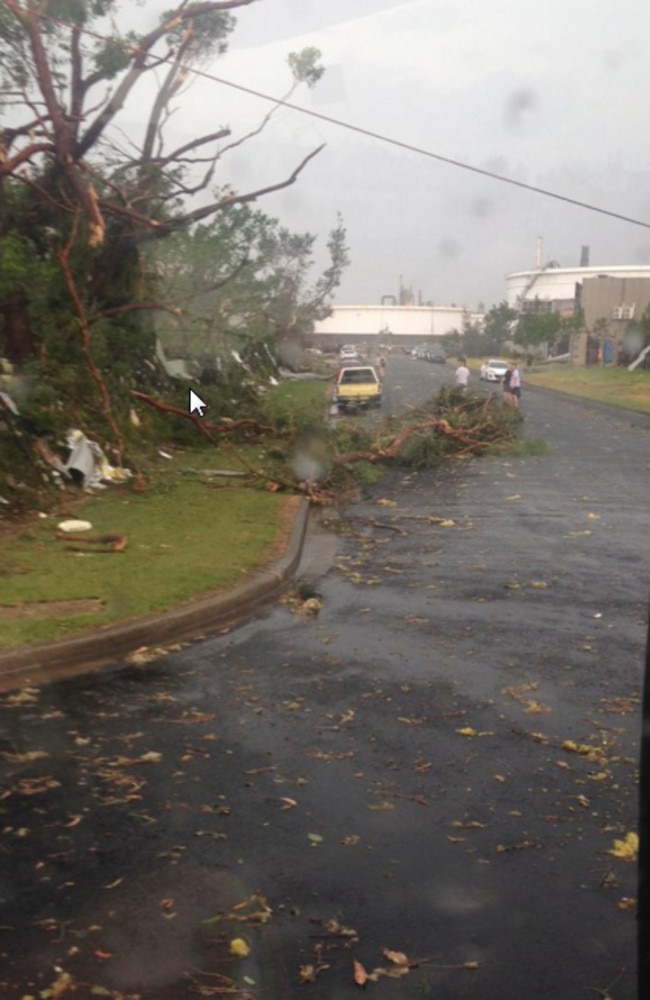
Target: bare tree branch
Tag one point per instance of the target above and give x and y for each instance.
(154, 228)
(205, 426)
(140, 65)
(265, 120)
(165, 93)
(241, 199)
(76, 81)
(162, 161)
(169, 305)
(42, 193)
(8, 167)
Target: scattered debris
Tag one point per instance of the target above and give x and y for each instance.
(88, 463)
(111, 543)
(74, 525)
(626, 849)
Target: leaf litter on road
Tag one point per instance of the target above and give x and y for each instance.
(401, 965)
(626, 849)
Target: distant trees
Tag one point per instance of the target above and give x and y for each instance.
(242, 277)
(504, 326)
(551, 329)
(498, 327)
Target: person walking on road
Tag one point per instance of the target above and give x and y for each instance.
(514, 386)
(505, 385)
(462, 375)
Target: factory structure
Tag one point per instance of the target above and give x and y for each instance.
(390, 324)
(613, 299)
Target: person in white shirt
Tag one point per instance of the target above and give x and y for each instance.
(462, 375)
(514, 387)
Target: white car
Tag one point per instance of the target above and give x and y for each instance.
(493, 370)
(348, 353)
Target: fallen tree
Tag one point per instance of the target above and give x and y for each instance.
(466, 441)
(450, 426)
(205, 427)
(334, 456)
(95, 178)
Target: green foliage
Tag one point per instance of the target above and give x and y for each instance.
(331, 277)
(241, 278)
(453, 343)
(351, 436)
(297, 407)
(17, 263)
(304, 66)
(548, 328)
(498, 327)
(534, 330)
(645, 323)
(112, 56)
(369, 474)
(78, 12)
(208, 33)
(471, 343)
(14, 72)
(424, 450)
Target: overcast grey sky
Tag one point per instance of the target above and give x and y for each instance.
(555, 94)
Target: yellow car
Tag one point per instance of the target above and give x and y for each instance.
(357, 387)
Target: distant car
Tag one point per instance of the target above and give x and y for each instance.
(436, 355)
(493, 370)
(346, 363)
(348, 353)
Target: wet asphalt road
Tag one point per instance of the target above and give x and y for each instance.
(397, 767)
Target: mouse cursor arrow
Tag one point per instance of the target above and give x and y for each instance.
(196, 403)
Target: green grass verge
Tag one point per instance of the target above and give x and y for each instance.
(299, 405)
(615, 386)
(189, 533)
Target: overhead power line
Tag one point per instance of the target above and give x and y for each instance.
(400, 144)
(387, 140)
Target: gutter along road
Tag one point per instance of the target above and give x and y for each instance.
(438, 764)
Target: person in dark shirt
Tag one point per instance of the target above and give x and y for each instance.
(505, 385)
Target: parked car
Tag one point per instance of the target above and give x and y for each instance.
(429, 352)
(436, 355)
(346, 363)
(493, 370)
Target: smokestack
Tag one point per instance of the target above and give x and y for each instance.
(539, 250)
(584, 257)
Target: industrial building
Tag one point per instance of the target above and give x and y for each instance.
(613, 299)
(390, 325)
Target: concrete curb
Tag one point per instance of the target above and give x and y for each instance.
(48, 661)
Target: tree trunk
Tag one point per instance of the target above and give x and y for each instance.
(16, 333)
